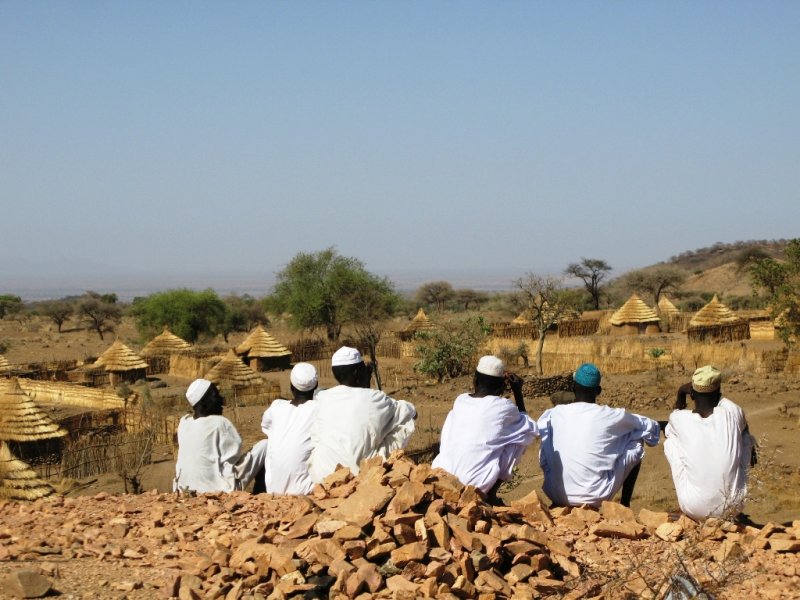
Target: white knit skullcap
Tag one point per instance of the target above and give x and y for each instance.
(304, 377)
(491, 365)
(197, 390)
(346, 356)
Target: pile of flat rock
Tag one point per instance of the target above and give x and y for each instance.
(397, 530)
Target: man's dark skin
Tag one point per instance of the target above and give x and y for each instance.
(358, 375)
(486, 385)
(210, 404)
(589, 395)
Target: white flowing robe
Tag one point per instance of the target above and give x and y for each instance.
(288, 428)
(483, 439)
(352, 424)
(588, 449)
(709, 459)
(210, 457)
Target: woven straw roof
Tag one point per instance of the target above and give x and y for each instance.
(666, 307)
(164, 343)
(20, 419)
(5, 366)
(522, 319)
(17, 480)
(233, 371)
(634, 311)
(71, 394)
(118, 357)
(261, 344)
(420, 322)
(714, 313)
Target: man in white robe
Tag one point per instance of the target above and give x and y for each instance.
(485, 435)
(210, 457)
(590, 451)
(709, 449)
(287, 425)
(353, 422)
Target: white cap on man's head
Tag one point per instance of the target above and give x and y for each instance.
(346, 356)
(491, 365)
(304, 377)
(197, 390)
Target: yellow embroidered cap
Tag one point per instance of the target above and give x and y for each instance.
(706, 379)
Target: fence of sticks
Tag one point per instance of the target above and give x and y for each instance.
(734, 332)
(578, 327)
(513, 331)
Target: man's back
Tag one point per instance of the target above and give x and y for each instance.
(288, 428)
(208, 448)
(352, 424)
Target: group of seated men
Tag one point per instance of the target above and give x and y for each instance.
(589, 452)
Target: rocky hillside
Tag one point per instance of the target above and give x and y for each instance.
(397, 530)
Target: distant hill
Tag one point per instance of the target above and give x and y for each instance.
(721, 253)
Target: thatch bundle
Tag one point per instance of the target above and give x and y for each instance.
(261, 344)
(714, 313)
(164, 344)
(119, 358)
(232, 371)
(666, 308)
(68, 394)
(17, 480)
(21, 420)
(5, 366)
(634, 311)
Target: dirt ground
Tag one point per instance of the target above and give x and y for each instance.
(771, 403)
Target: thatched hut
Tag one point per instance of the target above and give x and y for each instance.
(634, 318)
(25, 426)
(5, 366)
(158, 351)
(17, 480)
(715, 322)
(122, 364)
(231, 371)
(762, 325)
(521, 319)
(666, 308)
(263, 352)
(420, 322)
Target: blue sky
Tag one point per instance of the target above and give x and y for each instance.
(199, 141)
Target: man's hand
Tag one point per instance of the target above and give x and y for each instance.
(513, 381)
(683, 391)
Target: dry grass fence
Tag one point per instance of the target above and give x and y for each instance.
(578, 327)
(734, 332)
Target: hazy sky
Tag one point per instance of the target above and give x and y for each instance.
(172, 139)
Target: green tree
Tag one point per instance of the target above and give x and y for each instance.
(781, 281)
(592, 271)
(655, 281)
(545, 301)
(58, 311)
(188, 313)
(242, 313)
(100, 311)
(325, 290)
(436, 294)
(9, 305)
(452, 349)
(467, 297)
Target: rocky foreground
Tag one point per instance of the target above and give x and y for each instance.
(398, 530)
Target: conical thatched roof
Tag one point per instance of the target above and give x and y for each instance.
(20, 419)
(118, 357)
(420, 322)
(17, 480)
(522, 319)
(5, 366)
(261, 344)
(714, 313)
(634, 311)
(165, 343)
(666, 307)
(233, 371)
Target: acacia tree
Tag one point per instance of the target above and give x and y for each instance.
(592, 271)
(242, 313)
(9, 304)
(58, 311)
(100, 311)
(188, 313)
(545, 300)
(467, 296)
(655, 281)
(781, 281)
(326, 290)
(436, 294)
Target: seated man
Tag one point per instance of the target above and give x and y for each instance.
(485, 435)
(287, 425)
(210, 455)
(709, 449)
(353, 422)
(590, 451)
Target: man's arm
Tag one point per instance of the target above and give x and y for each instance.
(683, 391)
(515, 383)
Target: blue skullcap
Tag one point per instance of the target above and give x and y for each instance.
(587, 375)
